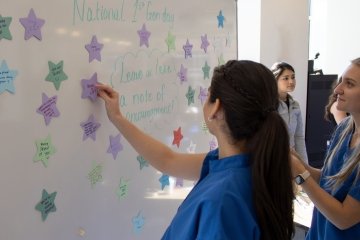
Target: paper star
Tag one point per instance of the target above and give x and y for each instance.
(220, 19)
(44, 150)
(170, 41)
(94, 49)
(122, 189)
(212, 144)
(138, 223)
(182, 74)
(203, 94)
(164, 180)
(32, 25)
(206, 70)
(179, 182)
(56, 74)
(46, 204)
(204, 43)
(190, 95)
(95, 174)
(204, 127)
(191, 148)
(7, 77)
(187, 48)
(4, 27)
(221, 60)
(90, 126)
(144, 36)
(89, 89)
(143, 163)
(115, 145)
(216, 43)
(177, 137)
(48, 108)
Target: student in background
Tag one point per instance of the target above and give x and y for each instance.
(332, 114)
(289, 108)
(244, 187)
(335, 189)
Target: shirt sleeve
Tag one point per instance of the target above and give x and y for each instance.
(299, 137)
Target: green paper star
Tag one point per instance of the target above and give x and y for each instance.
(46, 204)
(95, 174)
(44, 149)
(56, 74)
(190, 95)
(122, 189)
(206, 70)
(170, 41)
(4, 27)
(221, 60)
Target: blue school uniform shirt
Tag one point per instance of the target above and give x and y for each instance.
(321, 228)
(219, 207)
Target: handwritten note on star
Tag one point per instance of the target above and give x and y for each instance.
(170, 41)
(190, 95)
(138, 223)
(206, 70)
(56, 74)
(90, 127)
(94, 48)
(221, 20)
(204, 43)
(144, 36)
(89, 89)
(188, 48)
(115, 146)
(164, 181)
(44, 150)
(95, 174)
(203, 94)
(123, 188)
(177, 137)
(4, 27)
(142, 162)
(182, 74)
(7, 78)
(46, 204)
(32, 25)
(48, 108)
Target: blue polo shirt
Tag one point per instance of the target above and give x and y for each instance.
(321, 228)
(220, 204)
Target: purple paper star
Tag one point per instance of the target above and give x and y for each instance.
(144, 36)
(182, 74)
(90, 126)
(48, 108)
(89, 88)
(203, 94)
(204, 43)
(94, 49)
(115, 145)
(32, 25)
(187, 48)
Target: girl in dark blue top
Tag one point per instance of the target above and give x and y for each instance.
(335, 189)
(244, 188)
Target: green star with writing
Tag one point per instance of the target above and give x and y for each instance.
(122, 189)
(46, 204)
(221, 60)
(56, 74)
(44, 149)
(170, 41)
(190, 95)
(95, 175)
(206, 70)
(4, 28)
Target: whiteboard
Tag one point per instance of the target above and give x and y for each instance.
(65, 171)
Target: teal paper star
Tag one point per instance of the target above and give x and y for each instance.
(170, 41)
(164, 180)
(206, 70)
(190, 95)
(143, 163)
(44, 150)
(7, 77)
(56, 74)
(4, 28)
(46, 205)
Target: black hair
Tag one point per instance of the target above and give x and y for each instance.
(279, 67)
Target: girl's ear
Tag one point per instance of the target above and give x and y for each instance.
(216, 110)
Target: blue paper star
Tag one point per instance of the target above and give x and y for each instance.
(46, 205)
(7, 78)
(138, 223)
(221, 19)
(143, 163)
(164, 180)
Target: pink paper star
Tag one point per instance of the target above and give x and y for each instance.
(177, 137)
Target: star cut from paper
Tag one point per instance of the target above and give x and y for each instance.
(44, 150)
(191, 148)
(204, 43)
(122, 189)
(164, 180)
(32, 25)
(206, 70)
(143, 163)
(48, 108)
(138, 222)
(46, 204)
(144, 36)
(220, 19)
(179, 182)
(90, 127)
(187, 48)
(94, 48)
(203, 94)
(177, 137)
(115, 146)
(56, 74)
(95, 174)
(170, 41)
(221, 60)
(190, 95)
(7, 78)
(182, 74)
(4, 27)
(89, 87)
